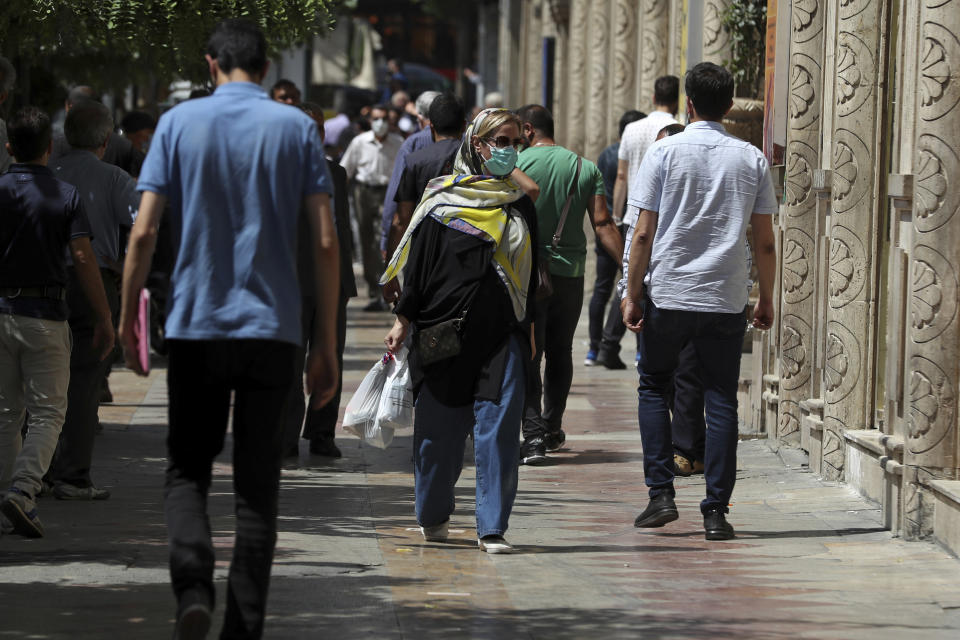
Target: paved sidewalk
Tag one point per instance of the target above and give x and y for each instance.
(810, 559)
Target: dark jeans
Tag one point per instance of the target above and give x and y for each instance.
(717, 339)
(321, 423)
(603, 286)
(200, 378)
(74, 456)
(554, 326)
(686, 399)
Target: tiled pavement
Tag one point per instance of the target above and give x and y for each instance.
(810, 559)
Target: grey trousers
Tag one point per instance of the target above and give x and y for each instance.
(34, 376)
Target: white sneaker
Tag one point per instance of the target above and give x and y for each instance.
(436, 533)
(494, 544)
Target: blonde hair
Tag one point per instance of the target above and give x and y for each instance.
(494, 121)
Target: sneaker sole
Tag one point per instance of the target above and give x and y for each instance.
(657, 519)
(194, 623)
(21, 523)
(500, 549)
(534, 460)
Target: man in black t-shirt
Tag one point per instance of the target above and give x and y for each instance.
(40, 217)
(428, 163)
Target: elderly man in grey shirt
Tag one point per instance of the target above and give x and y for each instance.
(111, 201)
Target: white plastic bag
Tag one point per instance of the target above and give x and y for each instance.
(383, 401)
(396, 401)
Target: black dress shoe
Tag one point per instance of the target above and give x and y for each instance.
(659, 512)
(611, 361)
(324, 447)
(715, 525)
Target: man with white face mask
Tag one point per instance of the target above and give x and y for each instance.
(369, 162)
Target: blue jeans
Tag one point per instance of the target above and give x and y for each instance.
(440, 433)
(717, 339)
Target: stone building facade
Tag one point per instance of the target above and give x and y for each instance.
(861, 370)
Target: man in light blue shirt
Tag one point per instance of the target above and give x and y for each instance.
(235, 168)
(696, 192)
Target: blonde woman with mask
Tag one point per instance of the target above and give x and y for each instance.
(466, 266)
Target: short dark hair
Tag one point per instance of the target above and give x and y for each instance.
(238, 44)
(666, 90)
(710, 89)
(201, 92)
(283, 83)
(29, 132)
(137, 121)
(380, 107)
(630, 116)
(671, 130)
(447, 114)
(312, 109)
(88, 125)
(538, 117)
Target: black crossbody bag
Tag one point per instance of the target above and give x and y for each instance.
(441, 341)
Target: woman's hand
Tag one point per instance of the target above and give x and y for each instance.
(397, 334)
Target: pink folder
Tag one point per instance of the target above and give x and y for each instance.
(142, 330)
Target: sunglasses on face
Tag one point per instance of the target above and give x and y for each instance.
(503, 141)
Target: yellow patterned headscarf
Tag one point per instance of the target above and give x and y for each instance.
(478, 205)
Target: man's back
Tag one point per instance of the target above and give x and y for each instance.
(110, 196)
(235, 167)
(553, 168)
(704, 184)
(637, 138)
(424, 165)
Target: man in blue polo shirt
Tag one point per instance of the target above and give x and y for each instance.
(40, 217)
(235, 168)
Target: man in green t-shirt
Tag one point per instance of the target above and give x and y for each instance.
(553, 168)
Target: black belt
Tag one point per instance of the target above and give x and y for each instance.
(53, 293)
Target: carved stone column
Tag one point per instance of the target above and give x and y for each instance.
(598, 39)
(716, 41)
(932, 448)
(654, 32)
(850, 335)
(624, 59)
(576, 79)
(533, 56)
(799, 258)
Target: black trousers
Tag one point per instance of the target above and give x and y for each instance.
(554, 326)
(200, 378)
(687, 424)
(74, 455)
(320, 423)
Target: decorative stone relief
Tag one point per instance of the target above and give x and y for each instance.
(803, 95)
(936, 201)
(843, 362)
(716, 40)
(801, 160)
(577, 77)
(856, 73)
(932, 398)
(847, 266)
(794, 352)
(788, 424)
(933, 297)
(596, 131)
(832, 455)
(653, 48)
(939, 62)
(624, 57)
(852, 167)
(806, 20)
(798, 270)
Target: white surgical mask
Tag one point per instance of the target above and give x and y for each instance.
(380, 127)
